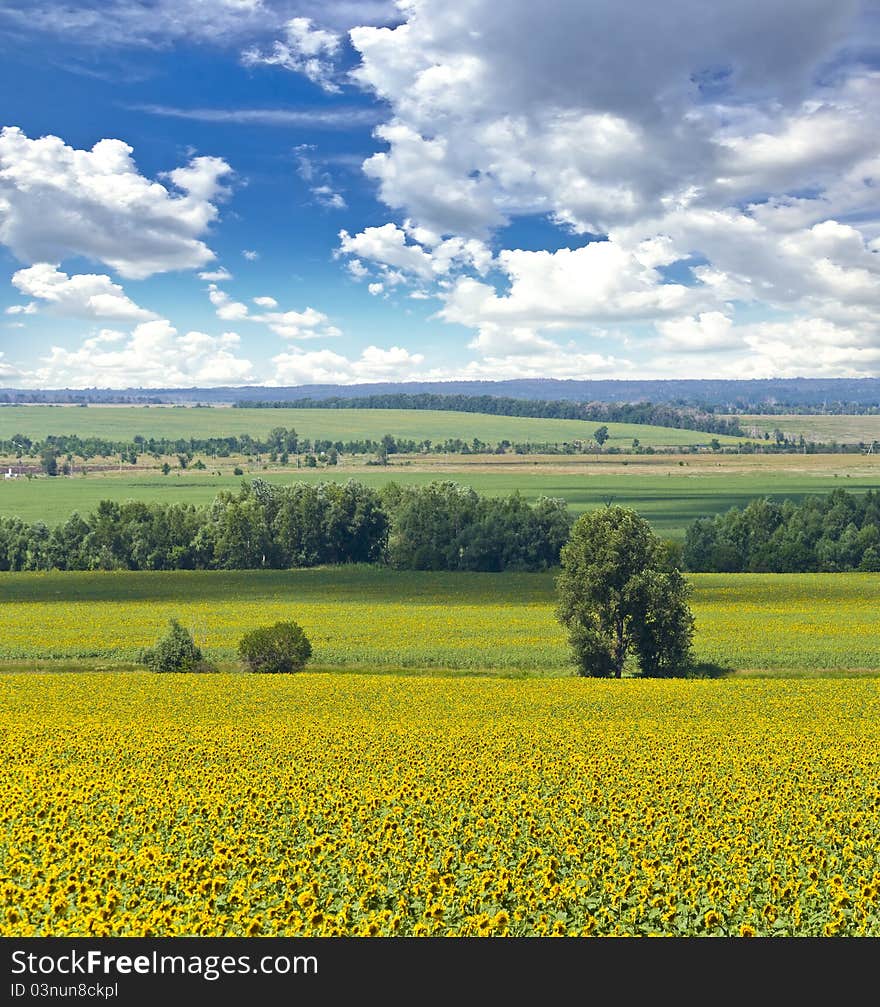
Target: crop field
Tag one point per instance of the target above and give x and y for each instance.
(843, 429)
(670, 501)
(323, 805)
(120, 422)
(366, 618)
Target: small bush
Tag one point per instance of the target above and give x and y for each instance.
(283, 647)
(176, 651)
(238, 471)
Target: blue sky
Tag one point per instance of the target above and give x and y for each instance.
(259, 192)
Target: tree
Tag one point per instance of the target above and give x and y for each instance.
(49, 461)
(276, 649)
(176, 651)
(621, 592)
(601, 435)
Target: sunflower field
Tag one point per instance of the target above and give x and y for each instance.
(320, 804)
(370, 618)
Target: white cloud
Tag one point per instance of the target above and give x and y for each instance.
(152, 355)
(227, 309)
(250, 254)
(305, 49)
(313, 118)
(735, 162)
(22, 309)
(398, 259)
(357, 269)
(85, 295)
(319, 180)
(386, 245)
(308, 324)
(57, 201)
(496, 112)
(216, 275)
(375, 288)
(710, 331)
(297, 367)
(131, 22)
(567, 288)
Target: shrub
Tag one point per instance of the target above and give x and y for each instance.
(283, 647)
(238, 471)
(176, 651)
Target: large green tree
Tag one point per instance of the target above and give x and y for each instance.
(621, 593)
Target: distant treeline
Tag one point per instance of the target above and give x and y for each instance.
(441, 526)
(753, 395)
(279, 444)
(559, 409)
(840, 531)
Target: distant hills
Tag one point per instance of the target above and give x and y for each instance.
(767, 395)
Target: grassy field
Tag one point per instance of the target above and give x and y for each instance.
(362, 618)
(120, 422)
(843, 429)
(316, 804)
(668, 494)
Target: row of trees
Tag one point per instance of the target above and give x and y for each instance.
(837, 532)
(278, 445)
(657, 414)
(441, 526)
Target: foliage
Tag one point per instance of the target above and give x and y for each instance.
(837, 532)
(442, 526)
(283, 647)
(621, 592)
(176, 651)
(446, 526)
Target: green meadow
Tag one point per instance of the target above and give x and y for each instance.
(126, 422)
(369, 618)
(669, 502)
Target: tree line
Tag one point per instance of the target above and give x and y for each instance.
(498, 405)
(441, 526)
(836, 532)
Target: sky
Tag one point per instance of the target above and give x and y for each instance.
(289, 192)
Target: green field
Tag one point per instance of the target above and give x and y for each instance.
(125, 422)
(669, 502)
(366, 618)
(843, 429)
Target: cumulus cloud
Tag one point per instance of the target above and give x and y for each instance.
(307, 324)
(735, 164)
(57, 201)
(85, 295)
(496, 111)
(426, 257)
(297, 367)
(152, 355)
(216, 275)
(570, 287)
(305, 49)
(227, 309)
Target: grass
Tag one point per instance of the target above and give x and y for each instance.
(120, 422)
(669, 501)
(843, 429)
(370, 618)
